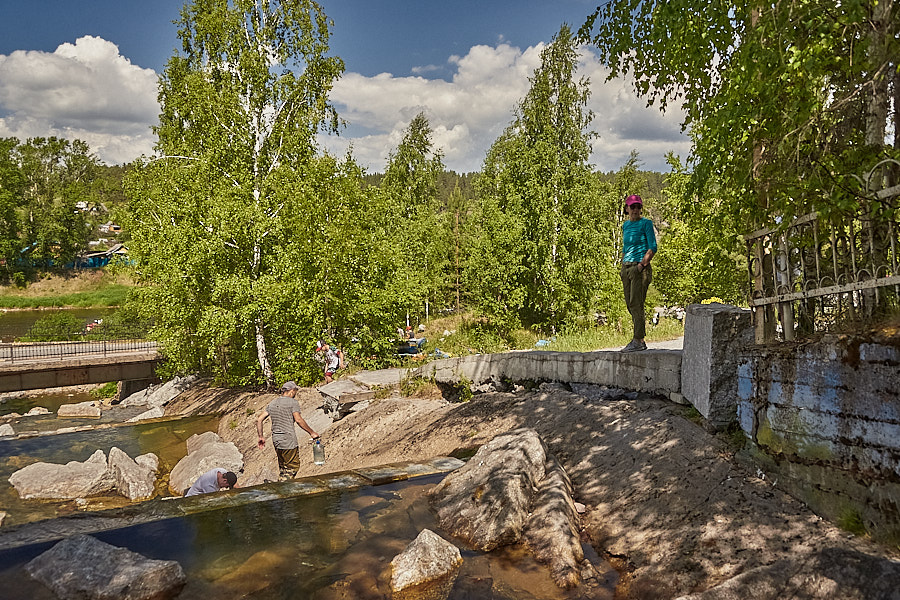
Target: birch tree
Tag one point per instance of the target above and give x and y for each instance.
(241, 105)
(535, 262)
(787, 102)
(410, 182)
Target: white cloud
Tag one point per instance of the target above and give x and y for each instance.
(86, 91)
(469, 112)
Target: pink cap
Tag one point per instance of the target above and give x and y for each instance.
(633, 199)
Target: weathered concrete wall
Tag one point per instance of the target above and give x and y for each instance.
(825, 420)
(714, 334)
(655, 371)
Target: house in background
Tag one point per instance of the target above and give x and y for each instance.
(93, 260)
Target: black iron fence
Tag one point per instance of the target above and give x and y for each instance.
(811, 275)
(20, 352)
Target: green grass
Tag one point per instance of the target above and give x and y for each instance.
(472, 336)
(112, 295)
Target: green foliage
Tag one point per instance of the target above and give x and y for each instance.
(534, 259)
(421, 226)
(703, 250)
(463, 389)
(42, 182)
(57, 327)
(787, 102)
(124, 324)
(107, 390)
(233, 229)
(851, 520)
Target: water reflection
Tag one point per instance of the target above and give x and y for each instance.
(166, 439)
(329, 546)
(22, 404)
(16, 323)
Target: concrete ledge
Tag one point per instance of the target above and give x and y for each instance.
(654, 371)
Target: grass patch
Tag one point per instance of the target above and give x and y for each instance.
(83, 289)
(851, 520)
(417, 387)
(113, 295)
(107, 390)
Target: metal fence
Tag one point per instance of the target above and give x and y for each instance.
(21, 352)
(814, 275)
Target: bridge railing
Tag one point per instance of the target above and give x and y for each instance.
(61, 350)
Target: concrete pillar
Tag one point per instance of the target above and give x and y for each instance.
(713, 337)
(129, 387)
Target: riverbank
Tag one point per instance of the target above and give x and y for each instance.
(77, 289)
(666, 502)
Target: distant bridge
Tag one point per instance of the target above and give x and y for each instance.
(33, 366)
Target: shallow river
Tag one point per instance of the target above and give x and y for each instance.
(166, 439)
(329, 545)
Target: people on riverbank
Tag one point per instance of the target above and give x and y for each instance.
(638, 248)
(212, 481)
(334, 360)
(284, 412)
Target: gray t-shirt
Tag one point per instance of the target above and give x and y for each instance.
(281, 410)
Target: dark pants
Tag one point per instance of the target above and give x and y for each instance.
(288, 462)
(635, 283)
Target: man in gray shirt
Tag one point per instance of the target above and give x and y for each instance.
(284, 411)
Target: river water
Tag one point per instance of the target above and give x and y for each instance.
(16, 323)
(166, 439)
(331, 545)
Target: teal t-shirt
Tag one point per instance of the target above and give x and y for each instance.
(637, 238)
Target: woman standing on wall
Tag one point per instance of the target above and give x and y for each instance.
(638, 248)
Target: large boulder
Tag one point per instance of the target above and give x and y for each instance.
(198, 440)
(203, 458)
(85, 568)
(149, 460)
(154, 413)
(486, 502)
(427, 568)
(134, 481)
(89, 409)
(552, 531)
(7, 430)
(71, 480)
(513, 490)
(160, 395)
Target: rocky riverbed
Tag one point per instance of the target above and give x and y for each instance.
(665, 501)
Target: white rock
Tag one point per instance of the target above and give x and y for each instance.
(428, 567)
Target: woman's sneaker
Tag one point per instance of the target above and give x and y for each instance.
(634, 346)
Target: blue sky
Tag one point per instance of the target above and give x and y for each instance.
(88, 69)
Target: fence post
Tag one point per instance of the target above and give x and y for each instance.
(763, 316)
(785, 309)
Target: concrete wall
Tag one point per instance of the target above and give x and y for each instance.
(654, 371)
(824, 418)
(836, 400)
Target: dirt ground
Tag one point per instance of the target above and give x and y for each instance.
(666, 501)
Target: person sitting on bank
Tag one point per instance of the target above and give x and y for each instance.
(212, 481)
